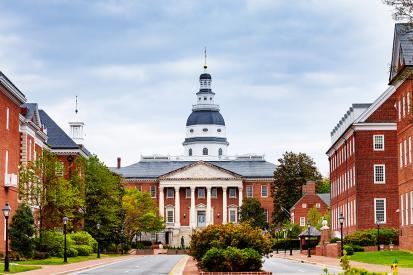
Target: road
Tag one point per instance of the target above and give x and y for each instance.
(283, 266)
(157, 264)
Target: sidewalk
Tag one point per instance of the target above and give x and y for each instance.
(334, 262)
(69, 268)
(190, 267)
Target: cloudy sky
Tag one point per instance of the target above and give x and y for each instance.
(284, 72)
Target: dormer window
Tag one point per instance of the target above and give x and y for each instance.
(205, 151)
(191, 130)
(205, 130)
(190, 152)
(219, 130)
(220, 152)
(205, 98)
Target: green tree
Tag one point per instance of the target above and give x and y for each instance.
(315, 217)
(22, 231)
(292, 172)
(253, 213)
(103, 201)
(140, 213)
(323, 186)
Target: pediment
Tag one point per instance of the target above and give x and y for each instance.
(201, 170)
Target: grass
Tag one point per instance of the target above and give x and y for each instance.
(57, 261)
(14, 268)
(404, 258)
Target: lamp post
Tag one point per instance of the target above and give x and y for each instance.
(276, 239)
(285, 241)
(308, 244)
(6, 212)
(98, 227)
(64, 232)
(378, 235)
(341, 220)
(289, 241)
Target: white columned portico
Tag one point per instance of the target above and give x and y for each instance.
(161, 202)
(208, 208)
(192, 218)
(224, 205)
(177, 208)
(240, 196)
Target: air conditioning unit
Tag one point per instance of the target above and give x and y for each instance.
(10, 180)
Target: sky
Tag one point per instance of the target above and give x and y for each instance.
(284, 72)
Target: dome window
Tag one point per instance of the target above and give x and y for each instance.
(205, 98)
(220, 152)
(210, 98)
(205, 130)
(191, 130)
(199, 98)
(219, 130)
(190, 152)
(205, 151)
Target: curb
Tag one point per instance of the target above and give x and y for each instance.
(309, 262)
(179, 267)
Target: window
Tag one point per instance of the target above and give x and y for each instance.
(199, 98)
(139, 188)
(232, 192)
(407, 208)
(214, 192)
(187, 193)
(7, 118)
(408, 103)
(205, 151)
(266, 215)
(404, 109)
(249, 191)
(30, 150)
(264, 191)
(59, 169)
(153, 191)
(190, 152)
(170, 216)
(410, 150)
(220, 152)
(304, 205)
(405, 152)
(170, 193)
(201, 192)
(302, 221)
(379, 173)
(411, 207)
(380, 210)
(191, 130)
(233, 215)
(317, 205)
(219, 130)
(402, 208)
(6, 162)
(205, 98)
(378, 142)
(401, 154)
(205, 130)
(399, 109)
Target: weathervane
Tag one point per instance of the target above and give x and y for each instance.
(205, 57)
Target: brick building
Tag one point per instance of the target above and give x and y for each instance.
(402, 81)
(363, 166)
(309, 200)
(205, 185)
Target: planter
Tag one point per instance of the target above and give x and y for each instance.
(177, 251)
(144, 252)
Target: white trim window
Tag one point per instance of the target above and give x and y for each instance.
(402, 208)
(411, 207)
(304, 205)
(187, 193)
(380, 210)
(7, 118)
(266, 215)
(410, 150)
(404, 108)
(378, 142)
(201, 193)
(407, 208)
(153, 191)
(170, 192)
(408, 103)
(249, 191)
(317, 205)
(401, 154)
(170, 215)
(232, 192)
(232, 215)
(264, 191)
(302, 221)
(399, 109)
(214, 192)
(379, 173)
(405, 152)
(59, 169)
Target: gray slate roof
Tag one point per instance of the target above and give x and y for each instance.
(325, 197)
(313, 232)
(405, 34)
(155, 169)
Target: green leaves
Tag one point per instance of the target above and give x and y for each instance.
(253, 213)
(22, 231)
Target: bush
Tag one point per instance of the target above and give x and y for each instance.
(21, 232)
(231, 259)
(285, 244)
(357, 248)
(369, 237)
(334, 240)
(222, 236)
(361, 271)
(70, 251)
(38, 255)
(84, 238)
(53, 243)
(348, 249)
(83, 250)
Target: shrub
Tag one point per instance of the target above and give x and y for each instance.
(222, 236)
(357, 248)
(70, 251)
(369, 237)
(334, 240)
(139, 246)
(285, 244)
(38, 255)
(83, 249)
(84, 238)
(348, 249)
(22, 231)
(231, 259)
(53, 243)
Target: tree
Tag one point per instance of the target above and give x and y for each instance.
(314, 217)
(22, 231)
(103, 200)
(140, 213)
(402, 9)
(293, 171)
(253, 213)
(323, 186)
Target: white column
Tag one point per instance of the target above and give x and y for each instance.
(224, 205)
(208, 208)
(161, 202)
(240, 196)
(192, 218)
(177, 208)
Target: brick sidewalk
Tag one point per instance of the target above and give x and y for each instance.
(334, 262)
(190, 267)
(68, 268)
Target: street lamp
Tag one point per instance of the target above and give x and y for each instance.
(289, 241)
(6, 212)
(341, 220)
(308, 245)
(64, 232)
(378, 235)
(285, 241)
(98, 227)
(276, 239)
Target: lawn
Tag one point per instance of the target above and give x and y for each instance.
(56, 260)
(405, 259)
(14, 268)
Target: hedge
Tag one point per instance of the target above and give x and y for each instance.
(369, 237)
(285, 244)
(83, 250)
(231, 259)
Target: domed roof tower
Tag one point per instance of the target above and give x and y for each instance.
(205, 126)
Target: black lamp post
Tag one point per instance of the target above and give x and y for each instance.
(341, 220)
(285, 241)
(64, 232)
(378, 235)
(98, 227)
(6, 212)
(276, 239)
(289, 241)
(308, 244)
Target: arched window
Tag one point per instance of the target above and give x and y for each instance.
(190, 152)
(205, 151)
(220, 152)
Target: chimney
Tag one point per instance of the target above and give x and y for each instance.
(309, 188)
(119, 163)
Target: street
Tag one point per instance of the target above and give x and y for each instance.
(156, 264)
(283, 266)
